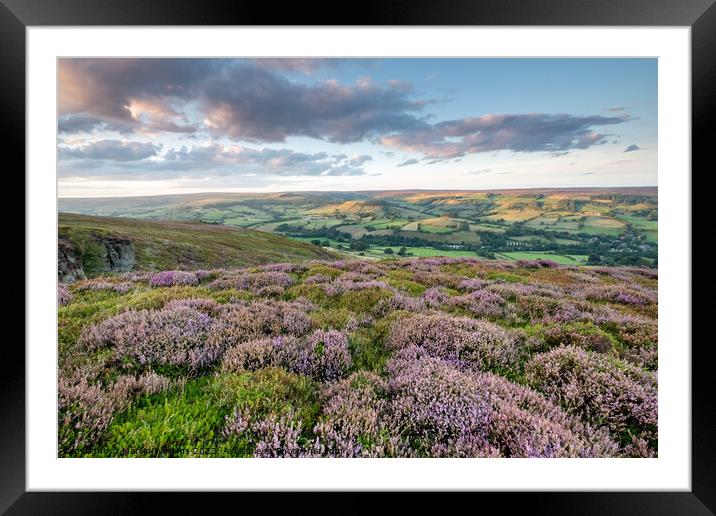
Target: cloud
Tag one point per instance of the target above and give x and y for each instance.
(113, 150)
(73, 124)
(131, 93)
(407, 162)
(213, 158)
(238, 99)
(616, 108)
(256, 106)
(481, 171)
(304, 65)
(515, 132)
(633, 147)
(360, 160)
(252, 100)
(283, 162)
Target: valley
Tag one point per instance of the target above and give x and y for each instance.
(596, 226)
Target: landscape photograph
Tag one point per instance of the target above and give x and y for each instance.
(357, 257)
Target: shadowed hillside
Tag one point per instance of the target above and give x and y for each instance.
(109, 244)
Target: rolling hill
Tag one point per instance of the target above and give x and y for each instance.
(612, 225)
(110, 244)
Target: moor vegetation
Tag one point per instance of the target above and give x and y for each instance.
(431, 357)
(160, 245)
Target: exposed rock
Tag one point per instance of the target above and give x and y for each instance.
(69, 262)
(113, 254)
(119, 255)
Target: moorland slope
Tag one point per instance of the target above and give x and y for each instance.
(99, 245)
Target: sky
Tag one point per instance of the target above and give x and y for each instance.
(168, 126)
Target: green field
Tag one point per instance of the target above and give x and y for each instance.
(421, 252)
(379, 251)
(554, 221)
(558, 258)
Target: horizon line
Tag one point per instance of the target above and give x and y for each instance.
(208, 192)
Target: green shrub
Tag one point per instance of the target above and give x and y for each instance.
(331, 318)
(188, 421)
(504, 276)
(361, 301)
(411, 287)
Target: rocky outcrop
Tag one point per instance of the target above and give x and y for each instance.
(107, 254)
(119, 254)
(69, 262)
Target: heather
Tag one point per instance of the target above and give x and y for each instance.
(434, 357)
(597, 389)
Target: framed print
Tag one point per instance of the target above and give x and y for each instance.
(422, 249)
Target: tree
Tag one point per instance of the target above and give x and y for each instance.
(316, 242)
(325, 243)
(653, 215)
(388, 250)
(402, 251)
(359, 246)
(594, 259)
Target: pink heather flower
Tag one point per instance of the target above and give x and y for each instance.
(459, 340)
(536, 264)
(434, 297)
(589, 362)
(173, 336)
(282, 267)
(344, 284)
(323, 355)
(272, 436)
(436, 405)
(136, 276)
(103, 284)
(472, 284)
(618, 294)
(64, 296)
(85, 409)
(254, 281)
(481, 304)
(355, 420)
(592, 387)
(317, 278)
(480, 414)
(256, 354)
(253, 320)
(208, 306)
(170, 278)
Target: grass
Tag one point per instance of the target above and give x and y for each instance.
(187, 420)
(422, 251)
(379, 251)
(574, 259)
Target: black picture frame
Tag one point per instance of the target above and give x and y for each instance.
(700, 15)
